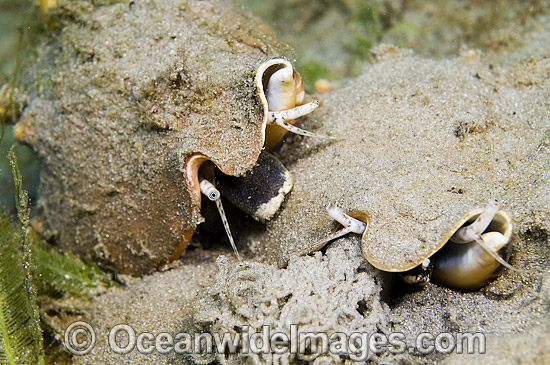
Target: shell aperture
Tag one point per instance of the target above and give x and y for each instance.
(468, 265)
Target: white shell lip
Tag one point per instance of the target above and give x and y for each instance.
(501, 223)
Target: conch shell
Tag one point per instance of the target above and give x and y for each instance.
(122, 109)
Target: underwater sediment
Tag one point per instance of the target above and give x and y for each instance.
(421, 143)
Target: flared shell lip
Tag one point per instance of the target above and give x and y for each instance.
(194, 162)
(259, 80)
(501, 219)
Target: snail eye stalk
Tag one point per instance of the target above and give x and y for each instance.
(208, 189)
(357, 224)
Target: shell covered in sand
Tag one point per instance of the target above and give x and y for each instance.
(423, 143)
(119, 99)
(500, 223)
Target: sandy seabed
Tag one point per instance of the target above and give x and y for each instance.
(420, 142)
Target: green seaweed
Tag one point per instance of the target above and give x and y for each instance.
(60, 272)
(21, 339)
(54, 271)
(312, 71)
(29, 266)
(366, 25)
(21, 336)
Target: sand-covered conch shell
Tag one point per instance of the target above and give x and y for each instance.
(496, 218)
(124, 106)
(466, 257)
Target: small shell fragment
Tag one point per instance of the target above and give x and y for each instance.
(323, 86)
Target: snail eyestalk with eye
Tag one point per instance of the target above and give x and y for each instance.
(282, 118)
(353, 222)
(208, 189)
(284, 93)
(471, 258)
(474, 230)
(467, 256)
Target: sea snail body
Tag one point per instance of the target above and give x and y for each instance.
(465, 261)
